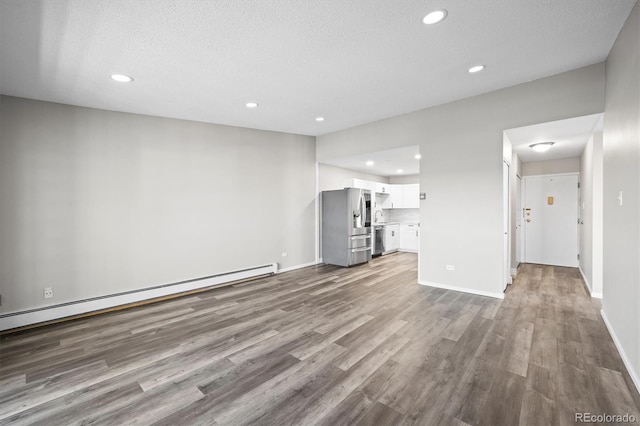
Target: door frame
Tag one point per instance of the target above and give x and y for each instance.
(506, 223)
(519, 214)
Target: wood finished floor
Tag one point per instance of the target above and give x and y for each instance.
(327, 346)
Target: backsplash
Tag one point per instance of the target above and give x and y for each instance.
(401, 215)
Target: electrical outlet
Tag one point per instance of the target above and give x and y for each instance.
(284, 254)
(48, 292)
(451, 267)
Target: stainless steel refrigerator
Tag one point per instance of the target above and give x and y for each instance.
(346, 226)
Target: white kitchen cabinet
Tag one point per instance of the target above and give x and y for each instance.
(363, 184)
(394, 199)
(391, 238)
(411, 196)
(382, 188)
(385, 200)
(402, 197)
(390, 196)
(409, 237)
(378, 199)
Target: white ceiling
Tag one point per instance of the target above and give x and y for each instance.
(386, 163)
(351, 61)
(570, 137)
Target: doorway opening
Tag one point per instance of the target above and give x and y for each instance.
(556, 196)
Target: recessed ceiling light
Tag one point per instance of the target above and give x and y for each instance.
(319, 118)
(370, 163)
(418, 156)
(251, 104)
(399, 171)
(541, 146)
(476, 68)
(435, 16)
(121, 78)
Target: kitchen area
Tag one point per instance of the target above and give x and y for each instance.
(368, 212)
(396, 217)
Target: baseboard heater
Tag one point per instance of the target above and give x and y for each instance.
(70, 309)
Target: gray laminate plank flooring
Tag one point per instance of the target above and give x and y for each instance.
(329, 346)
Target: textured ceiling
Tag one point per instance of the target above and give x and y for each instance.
(351, 61)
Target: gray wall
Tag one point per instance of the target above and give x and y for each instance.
(591, 213)
(461, 167)
(404, 179)
(332, 177)
(97, 202)
(550, 167)
(621, 286)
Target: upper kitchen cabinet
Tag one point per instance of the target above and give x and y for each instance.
(382, 188)
(411, 196)
(394, 200)
(391, 196)
(403, 197)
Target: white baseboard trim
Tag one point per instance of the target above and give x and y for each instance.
(514, 272)
(70, 309)
(588, 284)
(304, 265)
(623, 355)
(462, 289)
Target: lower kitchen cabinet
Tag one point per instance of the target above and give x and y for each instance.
(409, 238)
(391, 238)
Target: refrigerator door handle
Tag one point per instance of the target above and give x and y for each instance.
(360, 249)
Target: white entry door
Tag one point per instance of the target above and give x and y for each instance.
(551, 220)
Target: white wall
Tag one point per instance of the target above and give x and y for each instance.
(461, 167)
(591, 214)
(621, 171)
(332, 177)
(401, 180)
(550, 167)
(96, 202)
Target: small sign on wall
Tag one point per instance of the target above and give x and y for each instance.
(550, 201)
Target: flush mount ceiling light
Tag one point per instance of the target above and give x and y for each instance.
(418, 156)
(370, 163)
(435, 17)
(251, 105)
(319, 118)
(399, 171)
(121, 78)
(541, 146)
(476, 68)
